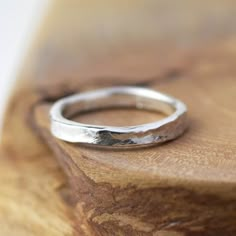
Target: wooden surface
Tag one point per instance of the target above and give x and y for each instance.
(189, 182)
(33, 187)
(183, 188)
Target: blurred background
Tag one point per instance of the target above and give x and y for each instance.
(58, 36)
(19, 20)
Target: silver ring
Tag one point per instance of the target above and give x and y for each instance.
(142, 98)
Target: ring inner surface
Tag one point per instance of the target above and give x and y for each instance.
(81, 106)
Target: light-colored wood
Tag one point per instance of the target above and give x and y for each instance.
(33, 189)
(182, 188)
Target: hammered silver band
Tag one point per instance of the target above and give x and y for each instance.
(142, 98)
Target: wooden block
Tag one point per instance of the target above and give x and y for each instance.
(183, 188)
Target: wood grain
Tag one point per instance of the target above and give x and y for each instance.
(34, 192)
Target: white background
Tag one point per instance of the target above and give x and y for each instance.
(19, 20)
